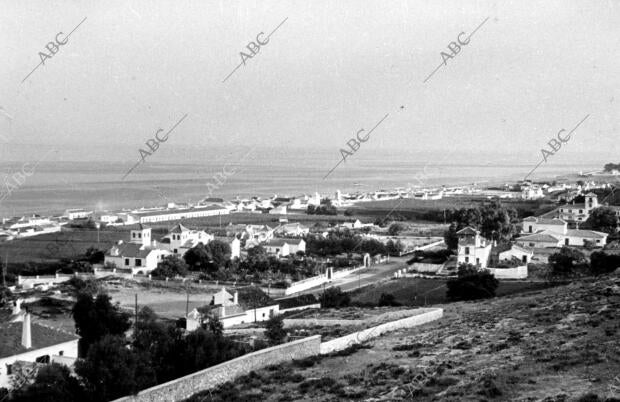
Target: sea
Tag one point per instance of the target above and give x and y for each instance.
(53, 181)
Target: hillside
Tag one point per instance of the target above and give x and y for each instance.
(556, 344)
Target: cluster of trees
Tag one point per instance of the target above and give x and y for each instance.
(569, 262)
(493, 220)
(112, 365)
(326, 208)
(603, 219)
(208, 258)
(611, 166)
(343, 242)
(170, 267)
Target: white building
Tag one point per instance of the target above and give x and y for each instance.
(140, 255)
(521, 253)
(544, 233)
(33, 343)
(180, 239)
(284, 247)
(178, 213)
(473, 248)
(292, 229)
(580, 212)
(279, 210)
(233, 310)
(78, 213)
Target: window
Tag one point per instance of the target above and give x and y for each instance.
(598, 241)
(126, 261)
(61, 353)
(138, 262)
(532, 245)
(9, 369)
(530, 229)
(581, 211)
(466, 259)
(133, 235)
(477, 261)
(176, 251)
(466, 250)
(566, 242)
(263, 315)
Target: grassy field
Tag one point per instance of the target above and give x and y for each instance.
(421, 291)
(66, 244)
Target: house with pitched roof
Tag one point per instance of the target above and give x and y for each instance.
(473, 248)
(24, 343)
(284, 247)
(251, 305)
(140, 255)
(180, 239)
(292, 229)
(580, 212)
(545, 233)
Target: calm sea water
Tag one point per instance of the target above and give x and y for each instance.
(57, 185)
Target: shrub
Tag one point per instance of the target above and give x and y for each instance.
(601, 263)
(472, 284)
(334, 297)
(275, 330)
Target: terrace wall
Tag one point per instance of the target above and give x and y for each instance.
(509, 273)
(184, 387)
(361, 336)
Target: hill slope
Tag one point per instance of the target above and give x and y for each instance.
(555, 344)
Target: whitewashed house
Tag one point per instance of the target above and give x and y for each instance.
(292, 229)
(140, 255)
(34, 344)
(180, 239)
(544, 233)
(473, 248)
(284, 247)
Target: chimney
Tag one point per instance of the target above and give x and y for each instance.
(236, 298)
(26, 335)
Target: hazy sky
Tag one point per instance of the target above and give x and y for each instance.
(333, 68)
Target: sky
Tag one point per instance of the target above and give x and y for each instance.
(331, 69)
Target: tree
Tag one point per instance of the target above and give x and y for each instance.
(111, 370)
(394, 247)
(602, 263)
(395, 228)
(219, 252)
(275, 330)
(471, 284)
(197, 258)
(94, 255)
(450, 237)
(53, 383)
(566, 262)
(88, 286)
(6, 297)
(97, 318)
(215, 326)
(170, 267)
(603, 219)
(334, 297)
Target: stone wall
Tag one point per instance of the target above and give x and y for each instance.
(426, 315)
(422, 267)
(509, 273)
(184, 387)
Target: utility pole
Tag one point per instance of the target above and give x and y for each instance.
(136, 308)
(187, 301)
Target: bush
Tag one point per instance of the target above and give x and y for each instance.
(601, 263)
(334, 298)
(566, 262)
(387, 300)
(471, 284)
(275, 330)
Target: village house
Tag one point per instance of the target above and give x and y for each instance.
(580, 212)
(519, 252)
(180, 239)
(284, 247)
(292, 229)
(31, 345)
(172, 214)
(78, 213)
(544, 233)
(140, 255)
(231, 309)
(473, 248)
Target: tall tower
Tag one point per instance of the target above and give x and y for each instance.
(141, 236)
(591, 202)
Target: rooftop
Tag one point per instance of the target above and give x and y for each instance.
(42, 337)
